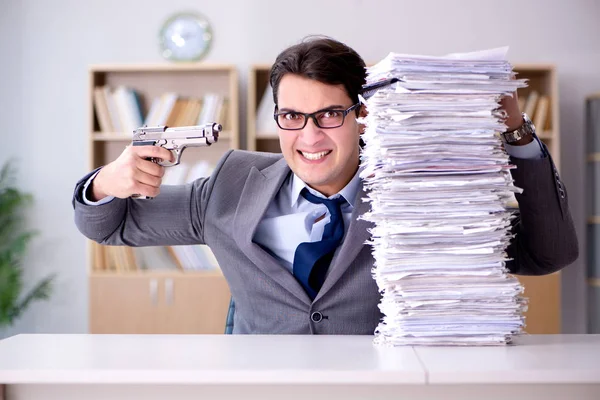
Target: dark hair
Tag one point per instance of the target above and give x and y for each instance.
(323, 59)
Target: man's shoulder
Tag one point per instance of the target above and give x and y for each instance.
(236, 166)
(244, 160)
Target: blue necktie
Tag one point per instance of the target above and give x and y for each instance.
(311, 260)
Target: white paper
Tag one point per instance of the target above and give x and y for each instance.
(439, 185)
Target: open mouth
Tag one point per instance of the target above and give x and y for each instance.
(314, 156)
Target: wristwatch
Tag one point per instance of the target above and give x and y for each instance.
(527, 129)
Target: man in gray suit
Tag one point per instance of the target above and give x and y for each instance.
(284, 228)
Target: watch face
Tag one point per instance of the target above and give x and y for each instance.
(185, 37)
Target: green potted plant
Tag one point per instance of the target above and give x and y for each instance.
(14, 239)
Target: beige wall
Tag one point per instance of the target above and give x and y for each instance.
(47, 45)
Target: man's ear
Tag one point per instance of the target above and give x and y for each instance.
(363, 111)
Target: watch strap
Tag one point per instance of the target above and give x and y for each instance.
(526, 129)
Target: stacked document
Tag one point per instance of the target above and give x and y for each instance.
(439, 186)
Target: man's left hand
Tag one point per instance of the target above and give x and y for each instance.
(510, 104)
(514, 118)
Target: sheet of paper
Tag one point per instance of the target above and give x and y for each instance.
(439, 186)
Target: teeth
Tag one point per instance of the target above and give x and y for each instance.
(315, 156)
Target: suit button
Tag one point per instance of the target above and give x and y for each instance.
(316, 317)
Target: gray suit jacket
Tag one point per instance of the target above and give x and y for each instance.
(223, 211)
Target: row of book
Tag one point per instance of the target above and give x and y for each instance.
(120, 109)
(537, 107)
(130, 259)
(265, 123)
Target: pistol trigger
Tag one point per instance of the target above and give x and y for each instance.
(178, 153)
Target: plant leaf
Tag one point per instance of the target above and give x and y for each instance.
(14, 239)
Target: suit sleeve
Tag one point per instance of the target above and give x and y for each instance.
(174, 217)
(545, 240)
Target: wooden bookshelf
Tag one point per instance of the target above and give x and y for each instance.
(544, 292)
(543, 81)
(158, 302)
(159, 298)
(544, 314)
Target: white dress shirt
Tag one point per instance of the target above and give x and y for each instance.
(291, 219)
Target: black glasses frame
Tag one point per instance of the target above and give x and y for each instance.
(314, 117)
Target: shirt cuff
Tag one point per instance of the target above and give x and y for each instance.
(84, 194)
(529, 151)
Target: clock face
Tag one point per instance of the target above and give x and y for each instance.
(185, 37)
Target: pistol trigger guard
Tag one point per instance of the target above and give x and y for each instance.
(177, 154)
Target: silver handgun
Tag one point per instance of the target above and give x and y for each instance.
(176, 140)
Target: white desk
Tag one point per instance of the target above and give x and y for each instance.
(226, 367)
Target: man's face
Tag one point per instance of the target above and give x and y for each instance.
(325, 159)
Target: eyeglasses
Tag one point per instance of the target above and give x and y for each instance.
(325, 119)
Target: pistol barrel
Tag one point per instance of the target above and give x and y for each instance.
(209, 131)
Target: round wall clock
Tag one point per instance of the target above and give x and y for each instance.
(185, 37)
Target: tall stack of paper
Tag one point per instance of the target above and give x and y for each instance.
(439, 184)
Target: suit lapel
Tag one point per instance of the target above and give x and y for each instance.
(260, 189)
(356, 236)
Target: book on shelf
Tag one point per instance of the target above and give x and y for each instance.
(121, 109)
(537, 107)
(542, 111)
(531, 103)
(265, 124)
(170, 258)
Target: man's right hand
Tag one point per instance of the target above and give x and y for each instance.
(131, 174)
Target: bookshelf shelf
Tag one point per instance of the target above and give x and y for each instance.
(158, 289)
(159, 67)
